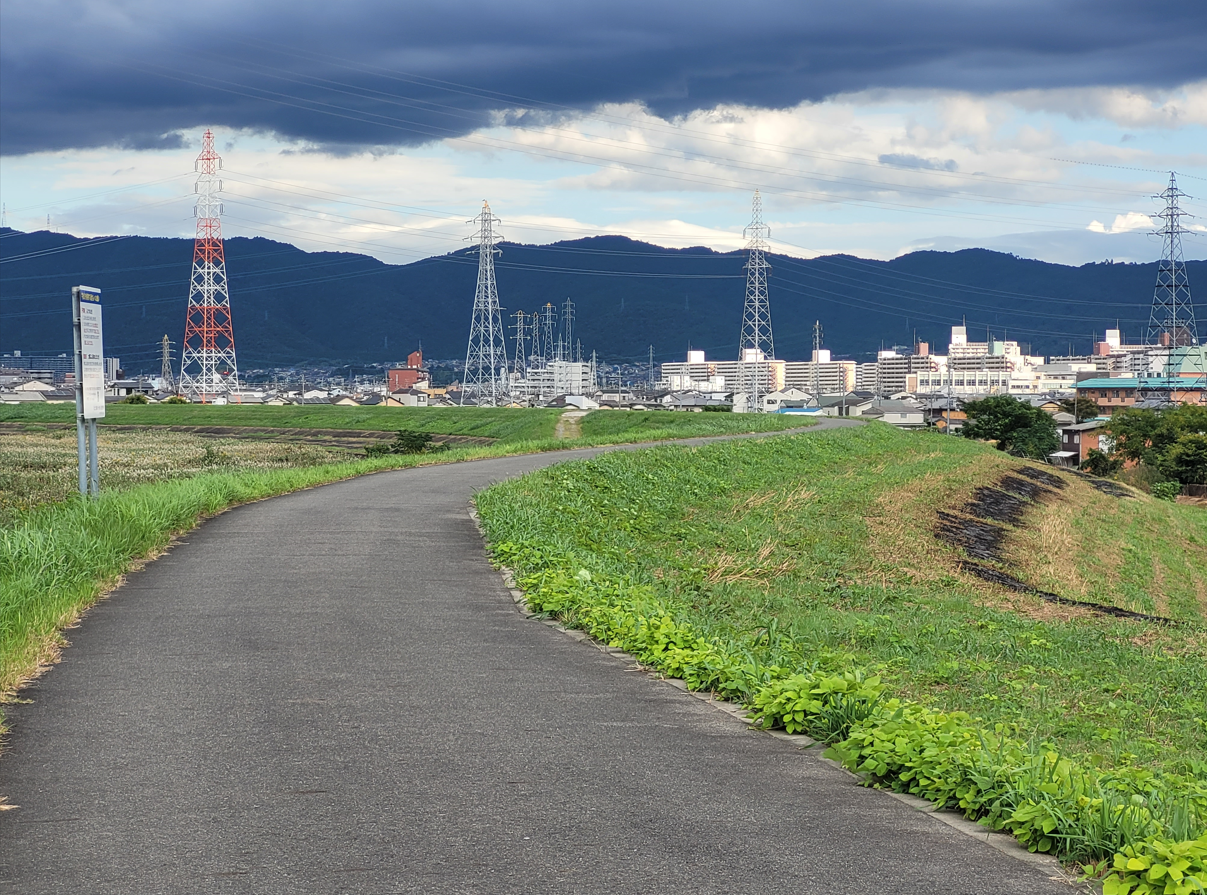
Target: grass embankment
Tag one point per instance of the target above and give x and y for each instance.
(816, 553)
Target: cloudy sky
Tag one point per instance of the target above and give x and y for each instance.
(872, 127)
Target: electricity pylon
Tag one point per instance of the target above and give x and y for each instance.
(520, 377)
(568, 328)
(165, 364)
(207, 354)
(756, 345)
(1172, 321)
(548, 325)
(486, 357)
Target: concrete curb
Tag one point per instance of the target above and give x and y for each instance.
(1002, 842)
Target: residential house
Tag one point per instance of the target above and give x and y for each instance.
(1077, 440)
(786, 398)
(408, 397)
(899, 413)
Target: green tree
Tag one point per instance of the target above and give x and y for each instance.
(1132, 429)
(1186, 460)
(1017, 427)
(1081, 407)
(1100, 464)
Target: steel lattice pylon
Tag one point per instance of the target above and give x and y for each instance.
(1172, 321)
(486, 358)
(207, 356)
(756, 344)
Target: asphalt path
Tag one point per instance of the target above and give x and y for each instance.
(333, 691)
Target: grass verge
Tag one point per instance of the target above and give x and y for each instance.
(801, 576)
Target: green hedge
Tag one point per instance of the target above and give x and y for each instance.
(1154, 827)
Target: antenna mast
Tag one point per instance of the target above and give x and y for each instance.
(486, 357)
(756, 345)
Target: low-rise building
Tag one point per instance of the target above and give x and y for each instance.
(1110, 393)
(1077, 440)
(904, 414)
(786, 398)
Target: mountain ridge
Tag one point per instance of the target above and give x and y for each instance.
(292, 306)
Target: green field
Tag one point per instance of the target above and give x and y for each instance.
(824, 542)
(483, 422)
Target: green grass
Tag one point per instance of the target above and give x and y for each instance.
(656, 425)
(504, 424)
(821, 546)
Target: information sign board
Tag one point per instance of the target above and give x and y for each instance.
(92, 353)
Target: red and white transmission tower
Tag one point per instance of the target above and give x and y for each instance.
(207, 357)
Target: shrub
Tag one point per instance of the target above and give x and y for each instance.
(1167, 490)
(135, 399)
(1100, 464)
(406, 442)
(175, 399)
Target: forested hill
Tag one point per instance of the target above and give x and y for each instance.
(290, 306)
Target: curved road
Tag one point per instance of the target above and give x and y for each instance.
(332, 691)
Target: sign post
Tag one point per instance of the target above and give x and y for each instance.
(89, 382)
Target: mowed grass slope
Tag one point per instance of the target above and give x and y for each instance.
(822, 546)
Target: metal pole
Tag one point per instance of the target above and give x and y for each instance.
(92, 459)
(79, 391)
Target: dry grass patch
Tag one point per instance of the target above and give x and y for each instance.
(729, 568)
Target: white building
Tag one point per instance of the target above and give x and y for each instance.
(559, 377)
(698, 374)
(821, 374)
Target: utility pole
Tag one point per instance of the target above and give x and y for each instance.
(756, 343)
(651, 368)
(486, 356)
(817, 362)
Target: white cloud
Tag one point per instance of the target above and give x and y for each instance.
(1124, 223)
(1126, 107)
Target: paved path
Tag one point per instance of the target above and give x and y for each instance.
(332, 691)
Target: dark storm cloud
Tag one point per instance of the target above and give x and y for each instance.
(353, 74)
